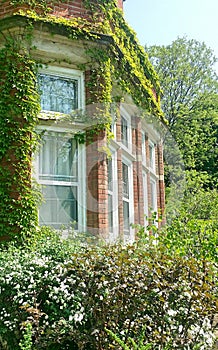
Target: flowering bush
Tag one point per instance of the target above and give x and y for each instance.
(71, 292)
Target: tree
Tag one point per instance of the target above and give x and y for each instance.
(186, 69)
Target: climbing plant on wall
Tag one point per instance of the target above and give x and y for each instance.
(19, 108)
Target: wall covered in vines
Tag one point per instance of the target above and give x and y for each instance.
(117, 58)
(19, 108)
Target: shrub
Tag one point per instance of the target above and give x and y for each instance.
(71, 292)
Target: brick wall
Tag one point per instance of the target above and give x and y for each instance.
(6, 9)
(119, 178)
(137, 171)
(161, 179)
(120, 4)
(69, 8)
(97, 185)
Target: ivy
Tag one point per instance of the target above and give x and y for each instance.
(19, 108)
(133, 70)
(130, 64)
(42, 5)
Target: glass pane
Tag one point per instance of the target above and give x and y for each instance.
(151, 156)
(60, 207)
(145, 185)
(58, 157)
(143, 148)
(110, 174)
(126, 217)
(58, 94)
(110, 213)
(153, 196)
(125, 180)
(124, 131)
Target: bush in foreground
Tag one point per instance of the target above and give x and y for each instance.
(62, 294)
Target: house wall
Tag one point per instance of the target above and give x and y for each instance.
(70, 8)
(95, 170)
(137, 171)
(97, 185)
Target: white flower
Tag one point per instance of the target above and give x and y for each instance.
(187, 294)
(78, 317)
(172, 312)
(180, 328)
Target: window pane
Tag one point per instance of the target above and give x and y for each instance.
(143, 148)
(125, 180)
(126, 217)
(124, 131)
(110, 174)
(60, 207)
(145, 185)
(58, 157)
(151, 156)
(110, 212)
(153, 196)
(58, 94)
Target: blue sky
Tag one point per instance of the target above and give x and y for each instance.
(159, 22)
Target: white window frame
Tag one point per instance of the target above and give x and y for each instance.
(130, 235)
(80, 183)
(145, 195)
(126, 144)
(113, 192)
(153, 189)
(70, 74)
(73, 74)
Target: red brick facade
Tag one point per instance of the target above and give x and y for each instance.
(97, 184)
(70, 8)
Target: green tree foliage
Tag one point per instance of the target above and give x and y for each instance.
(190, 100)
(65, 295)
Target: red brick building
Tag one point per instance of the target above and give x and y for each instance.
(102, 187)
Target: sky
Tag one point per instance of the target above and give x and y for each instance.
(159, 22)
